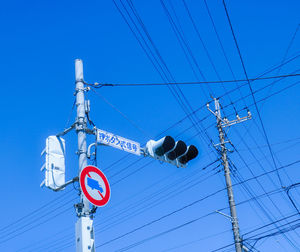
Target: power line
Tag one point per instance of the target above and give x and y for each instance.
(196, 241)
(239, 183)
(166, 73)
(161, 199)
(180, 36)
(222, 49)
(109, 218)
(269, 224)
(166, 76)
(121, 113)
(207, 52)
(167, 231)
(279, 231)
(31, 214)
(284, 57)
(242, 182)
(262, 99)
(296, 139)
(288, 194)
(34, 226)
(290, 45)
(250, 87)
(194, 111)
(171, 196)
(99, 85)
(253, 138)
(262, 207)
(198, 109)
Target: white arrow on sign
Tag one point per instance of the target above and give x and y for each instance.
(118, 142)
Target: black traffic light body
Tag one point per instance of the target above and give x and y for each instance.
(167, 150)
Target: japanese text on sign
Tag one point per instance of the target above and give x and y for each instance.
(115, 141)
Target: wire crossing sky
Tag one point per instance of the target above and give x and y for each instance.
(151, 68)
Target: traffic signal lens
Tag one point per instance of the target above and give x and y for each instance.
(164, 145)
(191, 153)
(179, 149)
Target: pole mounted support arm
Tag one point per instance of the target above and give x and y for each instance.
(66, 184)
(66, 130)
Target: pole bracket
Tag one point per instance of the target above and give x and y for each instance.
(66, 184)
(225, 215)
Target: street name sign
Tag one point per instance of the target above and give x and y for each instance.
(118, 142)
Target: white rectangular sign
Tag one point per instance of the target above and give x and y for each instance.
(118, 142)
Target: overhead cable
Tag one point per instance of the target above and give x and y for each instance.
(99, 85)
(251, 90)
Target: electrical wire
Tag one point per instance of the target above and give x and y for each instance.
(109, 218)
(198, 109)
(278, 232)
(290, 180)
(207, 52)
(160, 199)
(142, 207)
(288, 194)
(269, 224)
(165, 232)
(16, 233)
(251, 90)
(296, 139)
(192, 112)
(289, 46)
(245, 181)
(223, 50)
(182, 182)
(34, 212)
(121, 113)
(70, 113)
(191, 82)
(268, 214)
(196, 241)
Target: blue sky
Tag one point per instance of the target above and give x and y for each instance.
(40, 41)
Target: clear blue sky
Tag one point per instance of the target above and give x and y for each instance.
(40, 41)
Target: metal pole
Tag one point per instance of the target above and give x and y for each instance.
(84, 224)
(234, 220)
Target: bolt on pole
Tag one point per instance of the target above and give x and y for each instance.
(84, 224)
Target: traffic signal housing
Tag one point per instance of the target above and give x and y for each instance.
(167, 150)
(54, 162)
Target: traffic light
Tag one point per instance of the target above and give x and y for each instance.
(167, 150)
(55, 162)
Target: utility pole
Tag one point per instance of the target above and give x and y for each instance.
(90, 178)
(222, 123)
(84, 225)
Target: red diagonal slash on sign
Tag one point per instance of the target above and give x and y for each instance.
(95, 188)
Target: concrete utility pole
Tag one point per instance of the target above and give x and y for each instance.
(165, 150)
(84, 225)
(222, 123)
